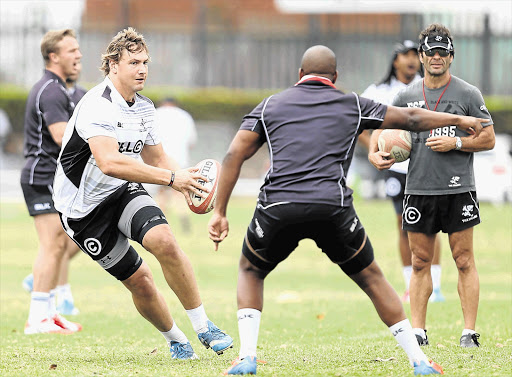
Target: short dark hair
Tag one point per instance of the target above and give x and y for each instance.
(433, 30)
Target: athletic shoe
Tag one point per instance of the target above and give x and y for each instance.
(422, 341)
(405, 297)
(470, 340)
(67, 307)
(215, 338)
(247, 365)
(423, 369)
(436, 296)
(182, 351)
(65, 324)
(46, 326)
(28, 283)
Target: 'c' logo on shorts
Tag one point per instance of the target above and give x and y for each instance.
(93, 246)
(412, 215)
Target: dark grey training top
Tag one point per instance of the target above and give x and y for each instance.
(440, 173)
(311, 130)
(47, 103)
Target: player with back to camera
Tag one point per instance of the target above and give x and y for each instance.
(404, 69)
(440, 193)
(110, 147)
(47, 111)
(65, 303)
(311, 130)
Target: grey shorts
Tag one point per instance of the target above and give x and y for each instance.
(129, 213)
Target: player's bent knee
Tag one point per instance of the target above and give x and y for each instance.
(245, 266)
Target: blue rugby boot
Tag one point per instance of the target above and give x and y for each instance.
(423, 369)
(215, 338)
(247, 365)
(436, 296)
(182, 351)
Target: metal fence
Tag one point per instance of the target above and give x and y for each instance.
(483, 55)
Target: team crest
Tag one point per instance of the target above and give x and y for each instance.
(454, 181)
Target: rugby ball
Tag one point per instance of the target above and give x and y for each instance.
(210, 170)
(397, 143)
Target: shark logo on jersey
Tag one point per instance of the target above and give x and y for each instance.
(438, 38)
(133, 187)
(454, 181)
(416, 104)
(143, 124)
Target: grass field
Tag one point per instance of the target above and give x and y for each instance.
(316, 322)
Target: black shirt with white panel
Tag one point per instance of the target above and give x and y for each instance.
(48, 103)
(311, 130)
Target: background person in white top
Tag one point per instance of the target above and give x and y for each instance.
(404, 69)
(109, 148)
(178, 135)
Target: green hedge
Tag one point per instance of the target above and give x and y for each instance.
(221, 104)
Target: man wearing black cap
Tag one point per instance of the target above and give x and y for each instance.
(405, 68)
(440, 191)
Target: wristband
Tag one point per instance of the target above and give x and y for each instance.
(172, 179)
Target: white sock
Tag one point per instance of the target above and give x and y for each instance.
(435, 271)
(248, 329)
(64, 293)
(402, 331)
(174, 334)
(420, 332)
(407, 272)
(52, 303)
(468, 331)
(199, 319)
(39, 304)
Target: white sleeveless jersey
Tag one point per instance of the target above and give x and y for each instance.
(79, 184)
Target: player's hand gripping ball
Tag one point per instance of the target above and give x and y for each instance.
(397, 143)
(210, 170)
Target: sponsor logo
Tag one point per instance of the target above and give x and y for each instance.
(119, 124)
(245, 316)
(483, 108)
(412, 215)
(132, 187)
(130, 147)
(354, 224)
(438, 38)
(105, 260)
(416, 104)
(454, 181)
(259, 231)
(395, 333)
(92, 246)
(42, 206)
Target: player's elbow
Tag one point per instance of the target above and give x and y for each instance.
(107, 167)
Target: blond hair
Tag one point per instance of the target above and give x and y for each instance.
(50, 41)
(128, 39)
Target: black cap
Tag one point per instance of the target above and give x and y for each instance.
(406, 46)
(437, 41)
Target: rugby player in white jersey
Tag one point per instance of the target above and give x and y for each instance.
(110, 147)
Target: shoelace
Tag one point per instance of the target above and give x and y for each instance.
(180, 350)
(216, 333)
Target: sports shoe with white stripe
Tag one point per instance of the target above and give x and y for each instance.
(46, 326)
(215, 338)
(182, 351)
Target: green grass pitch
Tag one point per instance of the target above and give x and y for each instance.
(316, 321)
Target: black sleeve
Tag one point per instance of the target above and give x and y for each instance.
(54, 104)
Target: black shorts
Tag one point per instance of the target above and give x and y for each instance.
(38, 199)
(395, 189)
(277, 228)
(451, 213)
(103, 234)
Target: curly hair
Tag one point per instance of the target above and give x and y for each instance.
(128, 39)
(50, 41)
